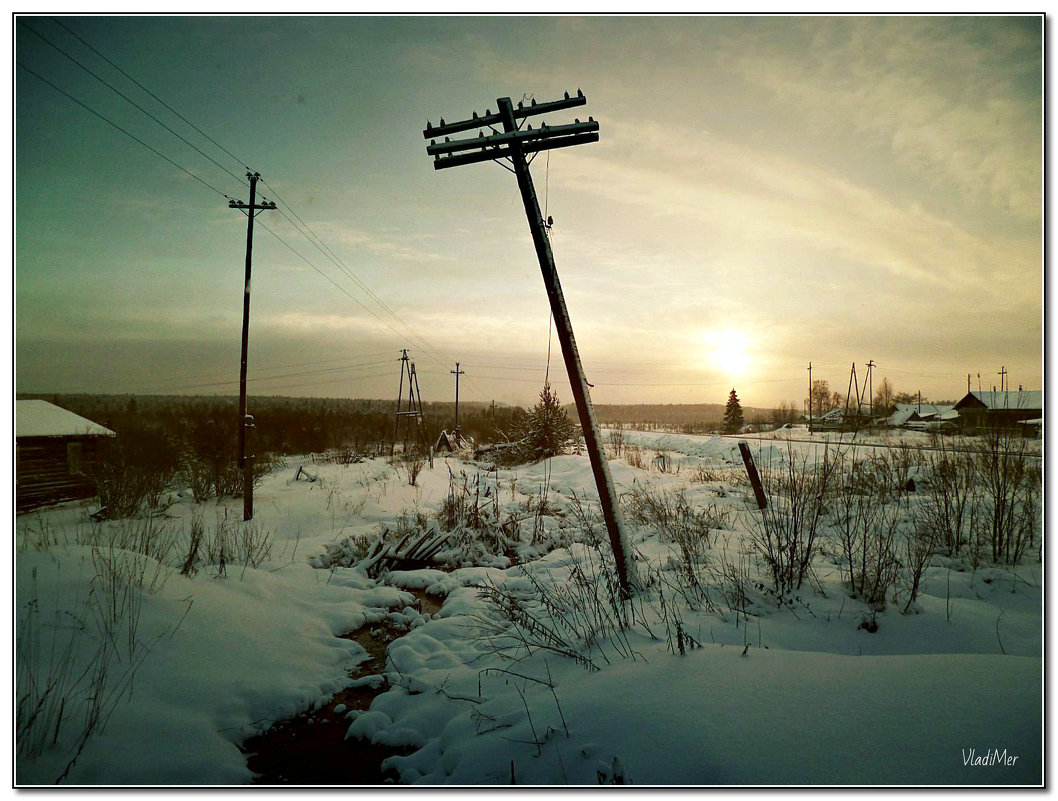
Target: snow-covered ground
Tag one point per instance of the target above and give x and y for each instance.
(766, 691)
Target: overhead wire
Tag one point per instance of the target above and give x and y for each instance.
(129, 100)
(149, 92)
(301, 225)
(110, 122)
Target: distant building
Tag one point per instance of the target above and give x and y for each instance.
(923, 417)
(1005, 409)
(55, 451)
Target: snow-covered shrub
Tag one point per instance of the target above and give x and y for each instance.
(345, 553)
(634, 456)
(731, 576)
(587, 519)
(220, 476)
(920, 540)
(784, 534)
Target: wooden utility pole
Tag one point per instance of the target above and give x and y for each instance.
(868, 385)
(414, 409)
(245, 420)
(810, 397)
(457, 372)
(513, 144)
(1002, 378)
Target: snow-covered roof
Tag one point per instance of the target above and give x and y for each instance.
(38, 418)
(922, 411)
(1010, 399)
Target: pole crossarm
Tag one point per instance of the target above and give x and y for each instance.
(502, 145)
(266, 205)
(521, 112)
(492, 154)
(545, 131)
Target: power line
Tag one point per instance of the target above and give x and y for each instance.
(122, 130)
(129, 100)
(313, 238)
(148, 91)
(431, 351)
(320, 245)
(334, 283)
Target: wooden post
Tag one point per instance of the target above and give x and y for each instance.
(754, 477)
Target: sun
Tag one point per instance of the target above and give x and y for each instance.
(728, 350)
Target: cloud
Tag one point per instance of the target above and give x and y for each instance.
(940, 97)
(746, 194)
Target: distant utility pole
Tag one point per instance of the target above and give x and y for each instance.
(245, 420)
(810, 397)
(514, 144)
(1002, 378)
(870, 384)
(414, 408)
(457, 372)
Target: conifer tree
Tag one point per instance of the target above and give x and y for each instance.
(546, 428)
(732, 414)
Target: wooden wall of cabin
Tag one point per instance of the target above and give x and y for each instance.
(53, 469)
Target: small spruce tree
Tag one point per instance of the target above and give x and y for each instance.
(546, 428)
(732, 414)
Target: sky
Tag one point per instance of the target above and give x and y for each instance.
(767, 192)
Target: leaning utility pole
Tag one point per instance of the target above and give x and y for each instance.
(245, 420)
(514, 144)
(457, 372)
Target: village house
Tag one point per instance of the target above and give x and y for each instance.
(1020, 410)
(923, 417)
(55, 451)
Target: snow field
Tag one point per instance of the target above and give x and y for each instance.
(778, 693)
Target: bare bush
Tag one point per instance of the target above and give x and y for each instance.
(413, 462)
(920, 542)
(865, 526)
(124, 488)
(952, 499)
(634, 456)
(220, 476)
(785, 533)
(582, 618)
(1011, 492)
(676, 520)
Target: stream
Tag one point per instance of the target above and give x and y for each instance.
(310, 748)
